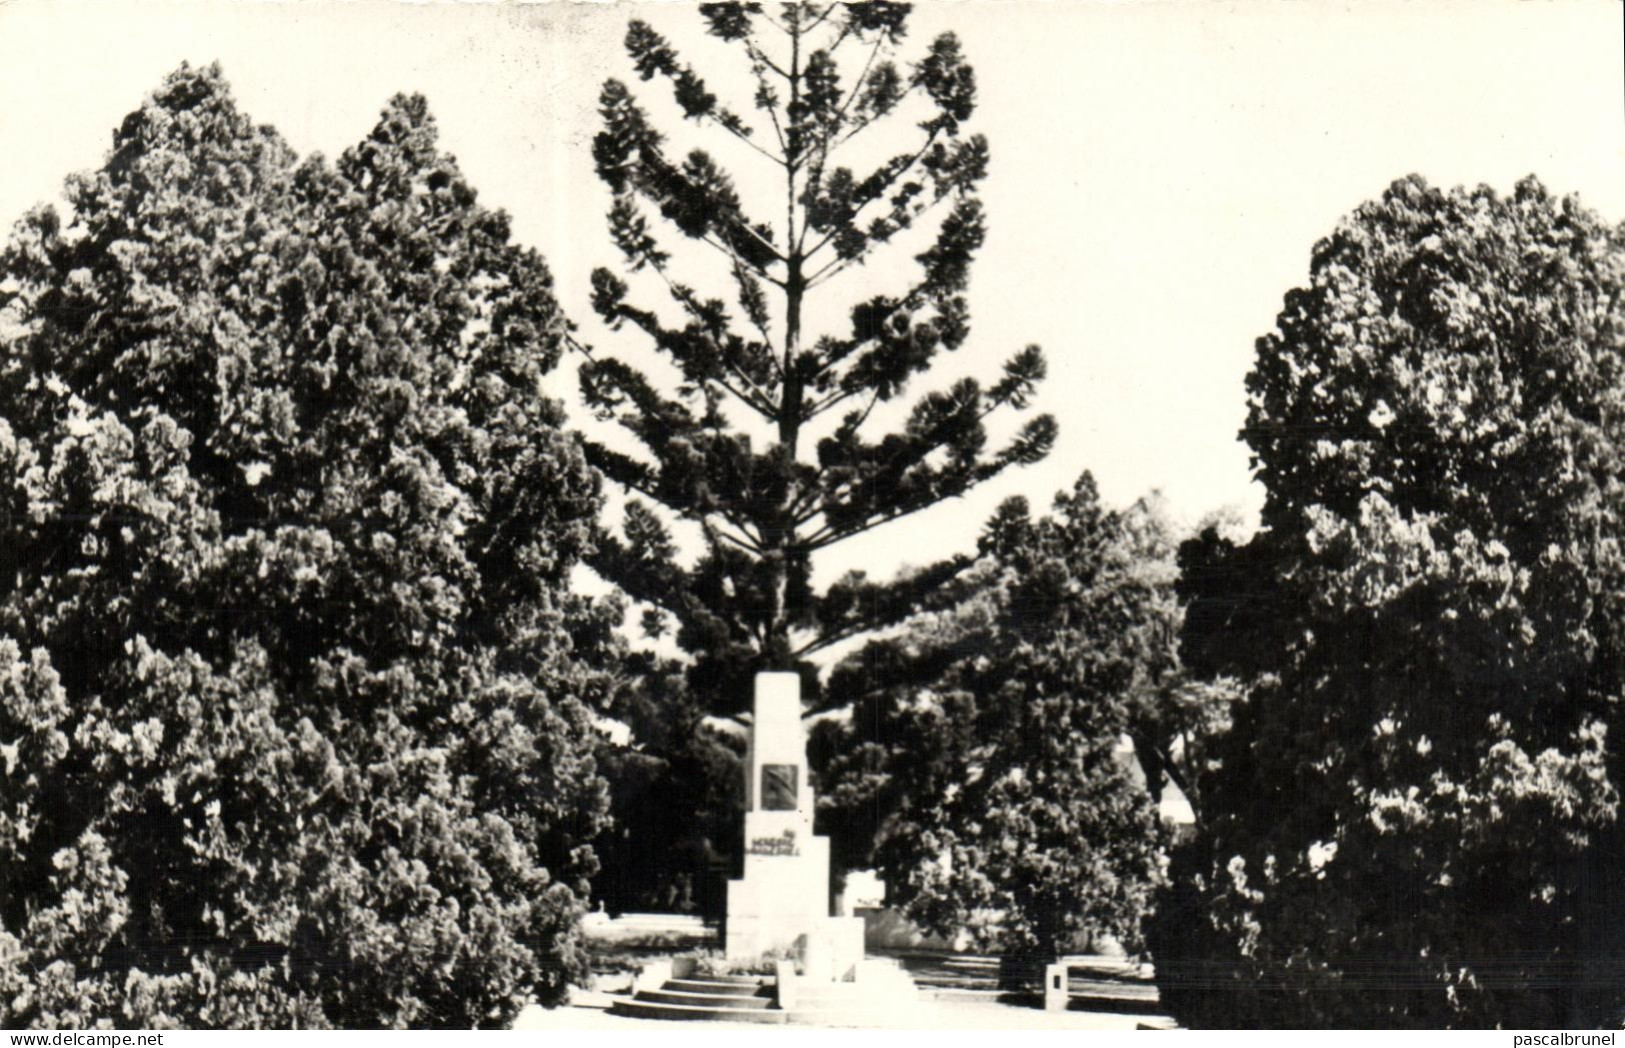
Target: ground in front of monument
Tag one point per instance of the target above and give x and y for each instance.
(956, 990)
(960, 1011)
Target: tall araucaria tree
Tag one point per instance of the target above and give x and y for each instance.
(827, 86)
(295, 722)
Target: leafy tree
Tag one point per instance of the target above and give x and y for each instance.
(982, 771)
(294, 718)
(676, 792)
(730, 445)
(1404, 825)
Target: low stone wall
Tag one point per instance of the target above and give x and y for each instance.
(669, 930)
(886, 929)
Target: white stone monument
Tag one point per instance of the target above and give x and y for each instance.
(780, 907)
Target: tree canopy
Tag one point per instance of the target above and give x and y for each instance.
(294, 700)
(983, 771)
(763, 440)
(1430, 625)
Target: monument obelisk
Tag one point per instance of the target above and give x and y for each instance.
(780, 907)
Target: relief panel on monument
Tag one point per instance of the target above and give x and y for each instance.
(779, 787)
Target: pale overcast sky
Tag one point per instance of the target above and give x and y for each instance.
(1160, 170)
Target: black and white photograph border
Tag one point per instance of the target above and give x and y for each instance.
(666, 518)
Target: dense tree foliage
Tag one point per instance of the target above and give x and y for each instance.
(294, 726)
(1404, 828)
(983, 772)
(760, 443)
(677, 796)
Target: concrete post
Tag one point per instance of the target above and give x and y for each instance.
(787, 984)
(1055, 989)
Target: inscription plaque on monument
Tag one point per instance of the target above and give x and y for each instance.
(779, 787)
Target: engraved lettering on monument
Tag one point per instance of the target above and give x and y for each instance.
(779, 787)
(784, 844)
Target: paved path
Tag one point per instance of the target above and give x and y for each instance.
(957, 991)
(957, 1009)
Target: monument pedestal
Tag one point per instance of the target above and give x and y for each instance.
(780, 907)
(779, 910)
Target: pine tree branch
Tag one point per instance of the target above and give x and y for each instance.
(863, 125)
(829, 535)
(741, 274)
(766, 96)
(835, 266)
(653, 175)
(805, 511)
(774, 22)
(642, 479)
(766, 244)
(825, 640)
(655, 56)
(883, 604)
(825, 146)
(807, 506)
(910, 454)
(823, 274)
(624, 470)
(980, 473)
(748, 537)
(609, 384)
(863, 75)
(742, 541)
(778, 130)
(750, 402)
(738, 224)
(575, 345)
(758, 55)
(880, 191)
(948, 262)
(835, 398)
(752, 143)
(818, 407)
(733, 256)
(665, 584)
(829, 9)
(763, 403)
(840, 38)
(883, 667)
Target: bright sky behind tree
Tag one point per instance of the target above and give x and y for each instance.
(1160, 171)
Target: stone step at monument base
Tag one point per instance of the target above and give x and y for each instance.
(704, 1000)
(632, 1008)
(743, 985)
(718, 998)
(880, 995)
